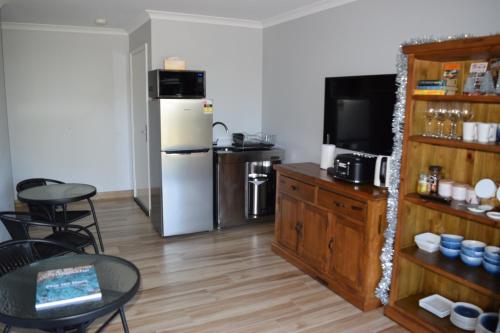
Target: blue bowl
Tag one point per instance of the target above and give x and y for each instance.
(471, 261)
(492, 269)
(487, 321)
(451, 238)
(450, 253)
(493, 252)
(470, 253)
(473, 245)
(493, 262)
(451, 245)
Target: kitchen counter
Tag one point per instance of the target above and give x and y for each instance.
(235, 155)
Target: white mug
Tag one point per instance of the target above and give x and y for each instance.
(484, 132)
(470, 131)
(493, 134)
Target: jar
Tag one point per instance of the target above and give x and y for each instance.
(423, 186)
(459, 192)
(445, 188)
(434, 177)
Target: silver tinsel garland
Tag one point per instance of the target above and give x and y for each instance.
(384, 286)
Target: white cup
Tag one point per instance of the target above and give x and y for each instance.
(445, 188)
(471, 197)
(459, 192)
(493, 135)
(470, 131)
(485, 131)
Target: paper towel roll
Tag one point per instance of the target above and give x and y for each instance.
(327, 156)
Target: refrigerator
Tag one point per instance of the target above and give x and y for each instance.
(181, 166)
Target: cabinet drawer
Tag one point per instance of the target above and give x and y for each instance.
(297, 189)
(342, 204)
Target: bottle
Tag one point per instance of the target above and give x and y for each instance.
(434, 177)
(423, 184)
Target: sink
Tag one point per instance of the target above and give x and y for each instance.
(216, 148)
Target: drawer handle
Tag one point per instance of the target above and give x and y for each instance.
(293, 187)
(298, 226)
(330, 244)
(339, 204)
(357, 208)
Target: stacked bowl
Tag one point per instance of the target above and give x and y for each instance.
(450, 245)
(491, 259)
(471, 252)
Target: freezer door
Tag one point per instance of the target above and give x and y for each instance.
(187, 193)
(185, 125)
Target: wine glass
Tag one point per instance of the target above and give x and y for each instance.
(454, 116)
(440, 115)
(429, 117)
(466, 114)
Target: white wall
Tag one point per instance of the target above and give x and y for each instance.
(359, 38)
(6, 190)
(232, 59)
(67, 102)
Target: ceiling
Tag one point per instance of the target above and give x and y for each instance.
(122, 13)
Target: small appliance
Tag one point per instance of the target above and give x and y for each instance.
(353, 168)
(382, 171)
(176, 84)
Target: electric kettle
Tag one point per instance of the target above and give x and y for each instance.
(382, 171)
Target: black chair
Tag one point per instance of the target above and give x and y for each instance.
(73, 236)
(18, 253)
(58, 214)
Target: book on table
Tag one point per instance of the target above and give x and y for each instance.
(64, 286)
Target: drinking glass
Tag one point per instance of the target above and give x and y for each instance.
(466, 114)
(454, 116)
(429, 117)
(441, 115)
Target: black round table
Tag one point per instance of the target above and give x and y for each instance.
(61, 194)
(119, 281)
(57, 194)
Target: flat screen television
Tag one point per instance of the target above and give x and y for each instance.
(358, 112)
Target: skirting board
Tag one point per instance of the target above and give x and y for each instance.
(112, 195)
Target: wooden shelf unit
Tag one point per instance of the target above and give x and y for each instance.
(417, 274)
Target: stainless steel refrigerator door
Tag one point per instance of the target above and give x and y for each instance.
(185, 125)
(187, 193)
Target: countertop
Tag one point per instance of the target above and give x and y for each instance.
(313, 174)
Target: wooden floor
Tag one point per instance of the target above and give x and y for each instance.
(227, 281)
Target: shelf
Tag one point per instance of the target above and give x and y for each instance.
(409, 308)
(455, 210)
(487, 147)
(454, 269)
(458, 98)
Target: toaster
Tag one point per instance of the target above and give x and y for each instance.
(354, 168)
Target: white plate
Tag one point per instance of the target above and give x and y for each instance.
(498, 194)
(494, 215)
(485, 207)
(485, 188)
(476, 209)
(436, 304)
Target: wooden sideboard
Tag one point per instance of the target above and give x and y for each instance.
(331, 230)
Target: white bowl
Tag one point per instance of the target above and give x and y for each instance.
(485, 319)
(428, 242)
(463, 321)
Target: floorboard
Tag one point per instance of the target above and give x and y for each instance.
(224, 281)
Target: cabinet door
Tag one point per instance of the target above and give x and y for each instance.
(314, 237)
(287, 221)
(347, 250)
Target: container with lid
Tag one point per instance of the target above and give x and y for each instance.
(434, 177)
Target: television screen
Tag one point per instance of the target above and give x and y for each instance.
(358, 112)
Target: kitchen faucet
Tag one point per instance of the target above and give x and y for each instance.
(222, 124)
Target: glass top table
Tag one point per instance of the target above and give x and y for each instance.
(119, 281)
(57, 194)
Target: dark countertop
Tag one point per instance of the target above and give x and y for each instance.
(238, 156)
(313, 174)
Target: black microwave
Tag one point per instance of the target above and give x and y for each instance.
(176, 84)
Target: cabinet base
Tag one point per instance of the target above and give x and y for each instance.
(352, 296)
